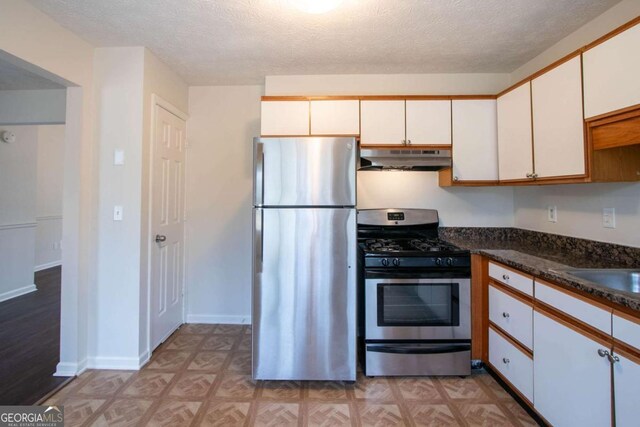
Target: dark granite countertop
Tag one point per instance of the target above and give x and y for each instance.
(545, 255)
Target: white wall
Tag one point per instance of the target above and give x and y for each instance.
(50, 166)
(580, 210)
(17, 211)
(580, 205)
(387, 84)
(21, 107)
(468, 207)
(223, 121)
(125, 79)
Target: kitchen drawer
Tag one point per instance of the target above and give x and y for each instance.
(512, 315)
(512, 363)
(591, 313)
(521, 282)
(626, 329)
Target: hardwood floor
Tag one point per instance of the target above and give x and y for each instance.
(30, 342)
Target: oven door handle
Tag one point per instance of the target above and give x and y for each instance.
(419, 349)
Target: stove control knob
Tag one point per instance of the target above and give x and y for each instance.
(384, 262)
(396, 262)
(438, 261)
(449, 261)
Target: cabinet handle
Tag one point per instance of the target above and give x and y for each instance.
(505, 360)
(408, 142)
(404, 142)
(455, 178)
(603, 353)
(614, 359)
(505, 315)
(505, 277)
(529, 175)
(534, 175)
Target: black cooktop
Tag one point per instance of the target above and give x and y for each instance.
(408, 246)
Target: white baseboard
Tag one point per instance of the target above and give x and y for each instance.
(65, 369)
(47, 265)
(124, 363)
(143, 359)
(219, 319)
(17, 292)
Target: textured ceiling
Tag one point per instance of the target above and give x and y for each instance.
(241, 41)
(13, 77)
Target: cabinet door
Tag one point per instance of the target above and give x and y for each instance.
(611, 71)
(340, 117)
(475, 140)
(515, 151)
(428, 122)
(382, 123)
(572, 383)
(626, 373)
(558, 126)
(284, 118)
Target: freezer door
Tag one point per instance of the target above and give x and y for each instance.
(304, 294)
(305, 171)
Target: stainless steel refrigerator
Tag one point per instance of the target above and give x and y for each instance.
(304, 251)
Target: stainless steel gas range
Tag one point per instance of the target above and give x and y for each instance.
(414, 294)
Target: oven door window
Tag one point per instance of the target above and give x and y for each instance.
(418, 304)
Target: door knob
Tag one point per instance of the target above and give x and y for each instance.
(160, 238)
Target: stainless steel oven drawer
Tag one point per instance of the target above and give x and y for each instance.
(418, 359)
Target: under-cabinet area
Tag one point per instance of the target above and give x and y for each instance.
(561, 350)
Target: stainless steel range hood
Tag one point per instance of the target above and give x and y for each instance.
(404, 159)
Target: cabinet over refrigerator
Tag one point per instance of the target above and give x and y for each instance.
(304, 259)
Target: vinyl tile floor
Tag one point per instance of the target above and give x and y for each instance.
(201, 376)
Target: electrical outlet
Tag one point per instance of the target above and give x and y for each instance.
(552, 214)
(609, 218)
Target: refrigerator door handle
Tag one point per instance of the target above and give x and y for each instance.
(259, 240)
(259, 172)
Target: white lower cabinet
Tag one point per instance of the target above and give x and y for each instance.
(512, 315)
(512, 363)
(626, 381)
(572, 381)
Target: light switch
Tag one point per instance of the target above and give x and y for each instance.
(117, 213)
(118, 157)
(609, 218)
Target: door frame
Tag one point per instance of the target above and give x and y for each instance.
(159, 102)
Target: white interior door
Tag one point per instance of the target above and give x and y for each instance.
(167, 225)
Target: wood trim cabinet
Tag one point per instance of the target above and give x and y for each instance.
(558, 125)
(382, 123)
(284, 118)
(515, 134)
(428, 122)
(569, 375)
(475, 141)
(334, 117)
(611, 71)
(584, 351)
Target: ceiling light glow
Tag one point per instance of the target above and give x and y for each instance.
(316, 6)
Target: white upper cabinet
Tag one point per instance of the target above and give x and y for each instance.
(284, 118)
(475, 140)
(428, 122)
(558, 125)
(515, 150)
(335, 117)
(611, 71)
(382, 122)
